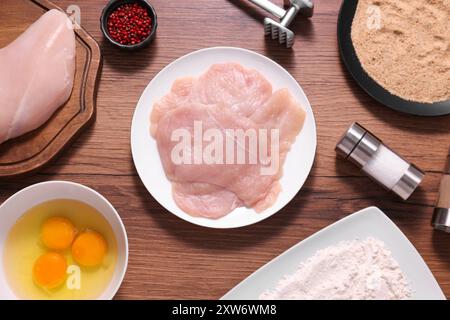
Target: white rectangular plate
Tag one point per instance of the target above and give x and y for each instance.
(370, 222)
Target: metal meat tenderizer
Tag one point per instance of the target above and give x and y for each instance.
(280, 29)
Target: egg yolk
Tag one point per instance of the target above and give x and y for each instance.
(57, 233)
(89, 249)
(49, 270)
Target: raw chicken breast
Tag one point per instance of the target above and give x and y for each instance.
(178, 96)
(235, 178)
(37, 73)
(281, 112)
(241, 89)
(204, 199)
(212, 190)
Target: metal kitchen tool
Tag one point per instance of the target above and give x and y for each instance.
(441, 215)
(279, 30)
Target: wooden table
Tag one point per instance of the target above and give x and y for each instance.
(170, 258)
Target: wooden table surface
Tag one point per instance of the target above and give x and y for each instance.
(170, 258)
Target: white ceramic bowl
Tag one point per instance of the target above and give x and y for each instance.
(19, 203)
(369, 222)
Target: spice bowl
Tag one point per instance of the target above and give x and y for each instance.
(129, 32)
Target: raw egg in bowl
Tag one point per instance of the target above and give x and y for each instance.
(61, 240)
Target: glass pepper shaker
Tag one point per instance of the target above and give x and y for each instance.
(379, 162)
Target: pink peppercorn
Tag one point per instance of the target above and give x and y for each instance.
(129, 24)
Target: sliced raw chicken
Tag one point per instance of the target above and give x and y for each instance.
(37, 73)
(241, 89)
(281, 112)
(178, 96)
(204, 199)
(213, 190)
(234, 177)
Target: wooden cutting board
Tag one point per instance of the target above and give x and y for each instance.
(33, 150)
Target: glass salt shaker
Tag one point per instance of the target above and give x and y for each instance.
(379, 162)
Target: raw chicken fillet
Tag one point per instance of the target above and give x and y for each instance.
(227, 96)
(37, 73)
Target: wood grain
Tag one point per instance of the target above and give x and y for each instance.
(33, 150)
(170, 258)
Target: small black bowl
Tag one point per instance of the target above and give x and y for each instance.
(113, 5)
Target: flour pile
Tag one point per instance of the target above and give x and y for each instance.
(363, 270)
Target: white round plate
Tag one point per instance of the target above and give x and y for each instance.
(145, 152)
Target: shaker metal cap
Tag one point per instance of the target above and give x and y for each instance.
(350, 140)
(441, 219)
(408, 182)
